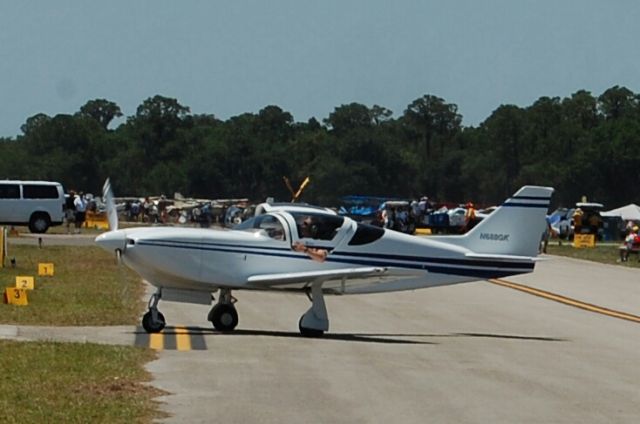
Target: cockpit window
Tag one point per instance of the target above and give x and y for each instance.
(366, 234)
(248, 224)
(271, 226)
(317, 226)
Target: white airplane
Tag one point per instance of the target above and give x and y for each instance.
(190, 264)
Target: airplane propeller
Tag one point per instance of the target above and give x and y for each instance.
(112, 213)
(114, 239)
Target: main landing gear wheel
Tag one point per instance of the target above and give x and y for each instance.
(224, 317)
(153, 326)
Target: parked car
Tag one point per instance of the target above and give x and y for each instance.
(38, 204)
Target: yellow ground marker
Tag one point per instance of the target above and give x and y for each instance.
(183, 339)
(45, 269)
(567, 300)
(26, 282)
(156, 341)
(15, 296)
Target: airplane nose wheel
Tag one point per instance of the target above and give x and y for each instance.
(153, 321)
(152, 325)
(223, 315)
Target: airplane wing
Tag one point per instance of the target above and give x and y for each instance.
(309, 276)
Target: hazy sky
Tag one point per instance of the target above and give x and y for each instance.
(308, 57)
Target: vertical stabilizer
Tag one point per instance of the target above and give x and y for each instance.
(515, 227)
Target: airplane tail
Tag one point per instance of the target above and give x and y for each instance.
(513, 229)
(112, 213)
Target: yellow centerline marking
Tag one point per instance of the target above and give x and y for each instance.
(183, 339)
(566, 300)
(156, 341)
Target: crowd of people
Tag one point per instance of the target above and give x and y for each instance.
(396, 215)
(202, 213)
(406, 216)
(146, 210)
(403, 216)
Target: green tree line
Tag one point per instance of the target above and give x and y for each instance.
(581, 145)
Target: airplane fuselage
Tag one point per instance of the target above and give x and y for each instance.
(188, 258)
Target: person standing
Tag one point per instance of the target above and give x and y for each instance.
(630, 242)
(469, 217)
(577, 221)
(80, 205)
(70, 210)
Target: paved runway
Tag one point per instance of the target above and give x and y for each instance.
(472, 353)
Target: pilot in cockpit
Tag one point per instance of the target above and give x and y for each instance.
(306, 229)
(277, 233)
(274, 231)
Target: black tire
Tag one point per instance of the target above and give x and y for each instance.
(309, 332)
(153, 327)
(39, 223)
(224, 317)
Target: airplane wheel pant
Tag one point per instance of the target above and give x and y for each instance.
(224, 317)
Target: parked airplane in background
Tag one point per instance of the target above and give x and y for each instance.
(276, 250)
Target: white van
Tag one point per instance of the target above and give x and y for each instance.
(38, 204)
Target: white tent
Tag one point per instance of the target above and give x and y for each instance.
(631, 212)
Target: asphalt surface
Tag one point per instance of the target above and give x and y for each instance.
(471, 353)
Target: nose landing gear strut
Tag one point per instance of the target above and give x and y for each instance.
(153, 321)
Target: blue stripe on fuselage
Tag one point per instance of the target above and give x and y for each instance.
(436, 265)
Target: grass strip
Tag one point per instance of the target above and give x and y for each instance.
(606, 254)
(88, 288)
(75, 383)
